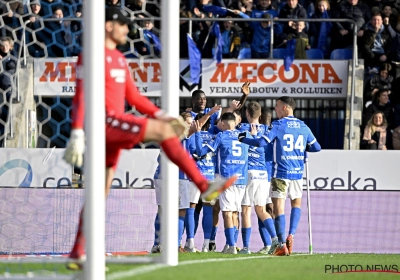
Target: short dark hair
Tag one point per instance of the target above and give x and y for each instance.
(266, 111)
(253, 109)
(196, 93)
(288, 101)
(228, 116)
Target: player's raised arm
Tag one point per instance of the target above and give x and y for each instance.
(237, 105)
(200, 150)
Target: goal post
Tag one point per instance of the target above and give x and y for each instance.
(170, 103)
(94, 168)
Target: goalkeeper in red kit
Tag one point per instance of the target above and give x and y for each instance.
(123, 131)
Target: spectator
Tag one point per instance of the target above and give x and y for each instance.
(380, 103)
(376, 133)
(260, 45)
(150, 45)
(292, 9)
(48, 7)
(387, 12)
(315, 27)
(264, 6)
(8, 70)
(298, 32)
(376, 41)
(60, 30)
(10, 17)
(34, 35)
(231, 45)
(343, 31)
(377, 82)
(396, 138)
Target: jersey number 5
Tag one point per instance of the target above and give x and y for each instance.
(236, 148)
(298, 144)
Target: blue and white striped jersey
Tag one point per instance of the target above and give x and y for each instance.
(231, 154)
(289, 137)
(206, 164)
(256, 158)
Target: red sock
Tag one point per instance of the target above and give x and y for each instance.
(176, 153)
(79, 246)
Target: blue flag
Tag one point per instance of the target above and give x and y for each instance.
(323, 34)
(220, 42)
(154, 38)
(289, 54)
(194, 61)
(216, 10)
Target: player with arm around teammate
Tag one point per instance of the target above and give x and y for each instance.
(291, 138)
(258, 187)
(232, 157)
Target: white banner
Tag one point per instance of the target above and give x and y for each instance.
(329, 169)
(354, 170)
(306, 78)
(136, 169)
(34, 168)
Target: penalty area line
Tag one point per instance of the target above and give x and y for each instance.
(151, 268)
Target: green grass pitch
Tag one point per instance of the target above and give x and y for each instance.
(219, 266)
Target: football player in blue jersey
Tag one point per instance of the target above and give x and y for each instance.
(232, 159)
(183, 197)
(206, 166)
(257, 189)
(291, 138)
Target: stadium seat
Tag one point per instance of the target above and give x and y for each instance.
(314, 54)
(342, 54)
(278, 53)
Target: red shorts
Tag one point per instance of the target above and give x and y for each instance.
(122, 132)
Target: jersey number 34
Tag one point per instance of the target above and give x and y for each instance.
(291, 144)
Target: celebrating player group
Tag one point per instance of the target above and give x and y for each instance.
(268, 162)
(220, 157)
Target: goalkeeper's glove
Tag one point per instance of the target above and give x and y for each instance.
(241, 136)
(75, 148)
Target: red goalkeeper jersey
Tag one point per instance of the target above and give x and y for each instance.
(119, 86)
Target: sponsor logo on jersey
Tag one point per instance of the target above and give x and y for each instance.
(293, 124)
(118, 75)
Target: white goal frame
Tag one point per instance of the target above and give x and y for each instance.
(94, 226)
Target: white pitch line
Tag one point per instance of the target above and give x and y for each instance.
(151, 268)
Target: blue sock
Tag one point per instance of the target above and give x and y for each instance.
(213, 233)
(230, 235)
(189, 223)
(266, 239)
(280, 224)
(196, 221)
(294, 220)
(156, 230)
(207, 221)
(235, 234)
(269, 225)
(181, 225)
(246, 232)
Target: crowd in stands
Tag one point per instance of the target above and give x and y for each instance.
(53, 28)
